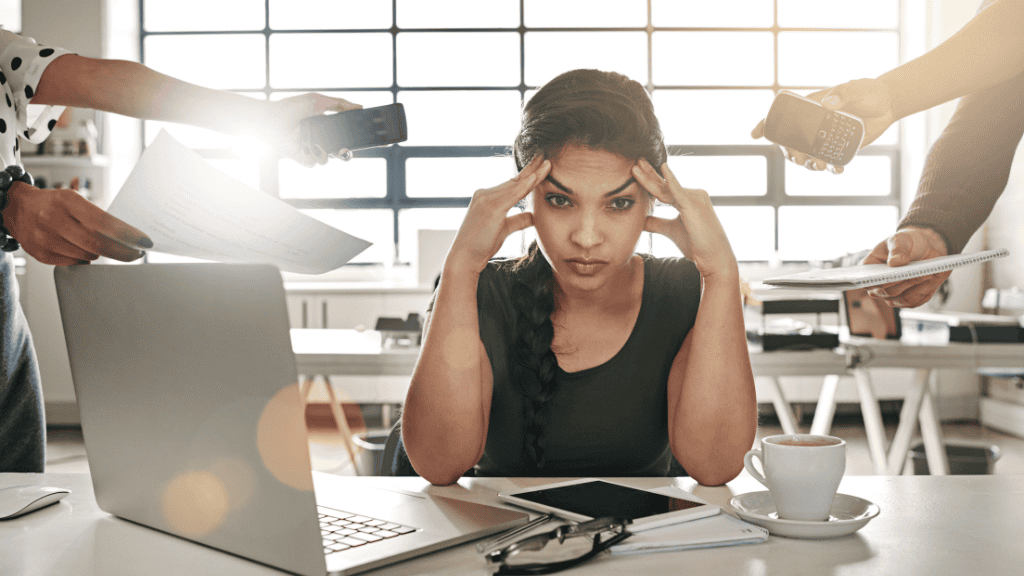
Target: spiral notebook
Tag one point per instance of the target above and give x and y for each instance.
(719, 530)
(866, 275)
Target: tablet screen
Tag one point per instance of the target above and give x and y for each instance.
(598, 499)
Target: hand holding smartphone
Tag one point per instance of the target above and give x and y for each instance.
(806, 126)
(354, 129)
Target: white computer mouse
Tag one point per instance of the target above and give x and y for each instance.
(20, 500)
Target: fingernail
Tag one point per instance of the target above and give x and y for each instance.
(545, 165)
(145, 242)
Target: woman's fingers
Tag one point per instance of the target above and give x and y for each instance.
(516, 223)
(651, 181)
(662, 226)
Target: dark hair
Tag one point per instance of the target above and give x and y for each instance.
(599, 110)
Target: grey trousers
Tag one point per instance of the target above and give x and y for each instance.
(22, 421)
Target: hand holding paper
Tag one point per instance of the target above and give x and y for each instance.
(190, 208)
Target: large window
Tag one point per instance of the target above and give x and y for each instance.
(462, 68)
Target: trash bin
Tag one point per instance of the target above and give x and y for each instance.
(370, 453)
(963, 458)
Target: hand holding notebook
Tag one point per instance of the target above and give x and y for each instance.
(867, 275)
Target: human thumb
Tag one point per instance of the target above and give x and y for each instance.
(899, 250)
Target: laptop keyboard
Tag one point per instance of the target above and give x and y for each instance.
(341, 530)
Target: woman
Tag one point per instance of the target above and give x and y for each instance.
(583, 358)
(59, 226)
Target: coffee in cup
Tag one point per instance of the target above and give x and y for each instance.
(801, 471)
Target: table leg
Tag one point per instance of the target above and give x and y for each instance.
(782, 408)
(931, 434)
(825, 409)
(872, 415)
(908, 422)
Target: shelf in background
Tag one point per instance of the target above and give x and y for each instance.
(67, 161)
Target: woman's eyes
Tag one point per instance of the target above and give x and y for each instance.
(617, 204)
(622, 203)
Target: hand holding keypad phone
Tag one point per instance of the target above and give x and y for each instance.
(354, 129)
(806, 126)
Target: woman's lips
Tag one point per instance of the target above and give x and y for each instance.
(585, 267)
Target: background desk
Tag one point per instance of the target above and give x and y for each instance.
(348, 352)
(938, 526)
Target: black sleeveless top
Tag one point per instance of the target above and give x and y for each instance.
(609, 420)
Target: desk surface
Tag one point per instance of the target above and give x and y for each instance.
(950, 525)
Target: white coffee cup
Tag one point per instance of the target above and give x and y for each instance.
(802, 473)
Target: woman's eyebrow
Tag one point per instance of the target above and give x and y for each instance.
(563, 188)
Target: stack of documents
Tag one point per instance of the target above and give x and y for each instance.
(719, 530)
(189, 208)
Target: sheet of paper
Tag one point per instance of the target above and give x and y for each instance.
(189, 208)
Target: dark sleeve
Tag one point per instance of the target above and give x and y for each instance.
(969, 165)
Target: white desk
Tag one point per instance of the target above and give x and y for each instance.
(938, 526)
(348, 352)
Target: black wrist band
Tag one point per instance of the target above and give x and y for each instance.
(8, 177)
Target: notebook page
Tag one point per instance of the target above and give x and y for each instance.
(875, 274)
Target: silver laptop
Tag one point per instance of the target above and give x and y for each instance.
(193, 424)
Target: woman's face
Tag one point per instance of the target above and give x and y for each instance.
(589, 214)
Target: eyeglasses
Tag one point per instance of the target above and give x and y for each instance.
(516, 558)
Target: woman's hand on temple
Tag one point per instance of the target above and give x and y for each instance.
(61, 227)
(487, 224)
(284, 125)
(868, 99)
(696, 230)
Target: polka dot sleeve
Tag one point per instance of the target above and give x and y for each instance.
(22, 63)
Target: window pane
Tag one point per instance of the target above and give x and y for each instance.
(865, 176)
(246, 172)
(548, 54)
(458, 59)
(355, 60)
(455, 177)
(722, 175)
(818, 14)
(357, 178)
(585, 13)
(751, 232)
(377, 226)
(211, 60)
(458, 14)
(713, 58)
(189, 15)
(412, 220)
(10, 15)
(750, 229)
(830, 58)
(329, 14)
(721, 13)
(368, 98)
(491, 118)
(710, 116)
(826, 232)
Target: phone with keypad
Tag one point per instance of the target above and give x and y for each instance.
(806, 126)
(355, 129)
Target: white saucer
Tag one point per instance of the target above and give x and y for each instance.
(847, 516)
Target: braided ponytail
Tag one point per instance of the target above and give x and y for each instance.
(534, 361)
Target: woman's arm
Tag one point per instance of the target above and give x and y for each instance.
(986, 51)
(712, 408)
(132, 89)
(447, 409)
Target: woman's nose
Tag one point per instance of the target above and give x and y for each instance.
(587, 233)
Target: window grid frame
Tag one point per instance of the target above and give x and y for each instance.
(395, 155)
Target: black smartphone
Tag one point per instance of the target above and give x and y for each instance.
(355, 129)
(804, 125)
